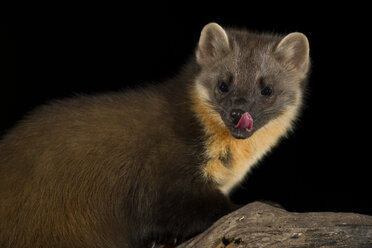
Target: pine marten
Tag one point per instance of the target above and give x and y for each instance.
(153, 165)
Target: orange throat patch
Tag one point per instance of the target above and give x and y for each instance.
(243, 154)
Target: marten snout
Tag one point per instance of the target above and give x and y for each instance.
(235, 115)
(241, 119)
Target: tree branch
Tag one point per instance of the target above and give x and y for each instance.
(262, 225)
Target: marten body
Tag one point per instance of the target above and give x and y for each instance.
(151, 166)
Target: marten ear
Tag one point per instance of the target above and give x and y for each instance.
(213, 44)
(293, 52)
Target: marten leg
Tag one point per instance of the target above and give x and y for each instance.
(180, 215)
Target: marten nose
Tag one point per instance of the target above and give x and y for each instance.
(236, 114)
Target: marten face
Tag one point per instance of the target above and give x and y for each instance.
(250, 79)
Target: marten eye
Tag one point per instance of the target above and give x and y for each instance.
(224, 84)
(223, 87)
(267, 91)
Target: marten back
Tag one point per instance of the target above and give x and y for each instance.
(75, 164)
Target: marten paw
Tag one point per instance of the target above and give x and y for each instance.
(166, 243)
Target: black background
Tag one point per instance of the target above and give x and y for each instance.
(50, 52)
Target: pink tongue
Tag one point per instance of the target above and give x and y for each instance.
(245, 122)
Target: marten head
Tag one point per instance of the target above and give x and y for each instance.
(248, 79)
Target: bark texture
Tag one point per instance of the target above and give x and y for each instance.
(262, 225)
